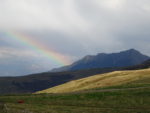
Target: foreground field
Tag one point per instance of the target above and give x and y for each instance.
(120, 99)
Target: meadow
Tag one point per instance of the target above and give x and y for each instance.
(124, 100)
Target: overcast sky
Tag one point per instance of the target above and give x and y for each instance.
(73, 28)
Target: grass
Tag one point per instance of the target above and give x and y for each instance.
(143, 83)
(101, 81)
(124, 101)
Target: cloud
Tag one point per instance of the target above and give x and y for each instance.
(15, 62)
(111, 4)
(77, 27)
(37, 14)
(9, 52)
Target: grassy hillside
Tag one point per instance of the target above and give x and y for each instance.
(100, 81)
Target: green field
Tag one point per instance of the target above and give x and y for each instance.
(128, 98)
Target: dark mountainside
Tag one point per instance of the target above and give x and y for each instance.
(41, 81)
(37, 82)
(144, 65)
(123, 59)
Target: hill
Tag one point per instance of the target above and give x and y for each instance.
(102, 60)
(41, 81)
(100, 81)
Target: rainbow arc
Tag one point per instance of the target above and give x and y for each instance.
(39, 47)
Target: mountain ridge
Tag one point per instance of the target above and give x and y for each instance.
(106, 60)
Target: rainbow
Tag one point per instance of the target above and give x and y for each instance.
(39, 47)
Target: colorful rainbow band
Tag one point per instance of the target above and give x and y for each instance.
(39, 47)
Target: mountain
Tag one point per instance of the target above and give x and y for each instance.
(144, 65)
(41, 81)
(102, 60)
(101, 81)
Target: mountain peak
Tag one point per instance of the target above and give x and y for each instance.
(88, 57)
(132, 51)
(102, 60)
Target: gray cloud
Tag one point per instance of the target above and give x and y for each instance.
(15, 62)
(77, 27)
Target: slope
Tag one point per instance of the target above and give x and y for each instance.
(41, 81)
(100, 80)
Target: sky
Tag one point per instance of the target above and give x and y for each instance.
(69, 28)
